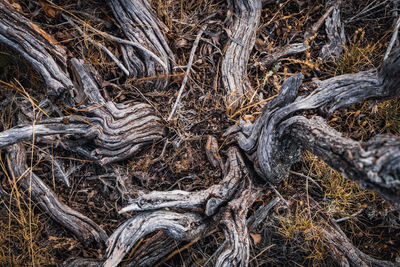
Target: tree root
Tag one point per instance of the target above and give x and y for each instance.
(242, 33)
(140, 24)
(83, 228)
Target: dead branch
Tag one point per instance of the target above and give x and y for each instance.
(83, 228)
(245, 16)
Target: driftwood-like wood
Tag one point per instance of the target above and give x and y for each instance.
(374, 164)
(335, 32)
(237, 249)
(210, 199)
(245, 17)
(343, 251)
(83, 228)
(36, 47)
(140, 24)
(226, 203)
(337, 244)
(180, 226)
(118, 131)
(106, 131)
(288, 50)
(273, 154)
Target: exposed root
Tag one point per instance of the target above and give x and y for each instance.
(245, 17)
(83, 228)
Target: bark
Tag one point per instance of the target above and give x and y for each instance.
(188, 215)
(373, 165)
(83, 228)
(237, 249)
(288, 50)
(336, 37)
(107, 132)
(140, 25)
(245, 16)
(273, 154)
(38, 48)
(179, 226)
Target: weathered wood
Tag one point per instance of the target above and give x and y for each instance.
(153, 249)
(36, 47)
(273, 154)
(140, 24)
(340, 246)
(226, 203)
(83, 228)
(343, 251)
(288, 50)
(107, 132)
(336, 37)
(180, 226)
(245, 17)
(210, 199)
(116, 137)
(118, 131)
(374, 164)
(237, 248)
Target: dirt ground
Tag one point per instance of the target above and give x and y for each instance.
(178, 161)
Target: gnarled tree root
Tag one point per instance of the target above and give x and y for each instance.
(83, 228)
(140, 24)
(188, 215)
(273, 151)
(242, 33)
(38, 48)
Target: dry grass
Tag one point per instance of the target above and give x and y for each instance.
(21, 243)
(203, 112)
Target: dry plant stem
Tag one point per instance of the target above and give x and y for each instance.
(99, 45)
(125, 42)
(245, 17)
(36, 47)
(226, 203)
(373, 165)
(393, 40)
(318, 24)
(84, 229)
(212, 198)
(140, 25)
(341, 248)
(58, 169)
(187, 73)
(118, 131)
(289, 50)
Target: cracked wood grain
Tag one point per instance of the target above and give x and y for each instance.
(245, 17)
(83, 228)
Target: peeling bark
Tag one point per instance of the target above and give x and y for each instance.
(237, 249)
(335, 31)
(374, 164)
(107, 132)
(210, 199)
(179, 226)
